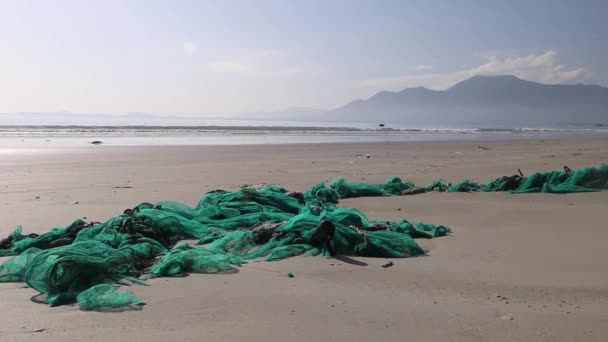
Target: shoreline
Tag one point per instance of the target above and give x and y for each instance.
(262, 138)
(86, 143)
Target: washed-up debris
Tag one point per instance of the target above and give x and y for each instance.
(144, 242)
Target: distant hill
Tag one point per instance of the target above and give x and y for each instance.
(489, 101)
(146, 119)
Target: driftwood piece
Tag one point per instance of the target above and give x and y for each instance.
(413, 191)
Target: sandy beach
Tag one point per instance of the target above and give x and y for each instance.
(516, 268)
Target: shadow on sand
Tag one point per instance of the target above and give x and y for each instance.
(349, 260)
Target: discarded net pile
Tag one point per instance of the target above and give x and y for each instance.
(84, 261)
(587, 179)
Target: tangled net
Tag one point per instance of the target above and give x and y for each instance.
(84, 262)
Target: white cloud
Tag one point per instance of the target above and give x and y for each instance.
(190, 48)
(540, 68)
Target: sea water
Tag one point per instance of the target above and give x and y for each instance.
(234, 132)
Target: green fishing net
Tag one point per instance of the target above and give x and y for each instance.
(587, 179)
(84, 262)
(105, 297)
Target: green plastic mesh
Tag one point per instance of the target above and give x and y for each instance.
(464, 186)
(14, 269)
(84, 262)
(184, 259)
(393, 186)
(105, 297)
(63, 272)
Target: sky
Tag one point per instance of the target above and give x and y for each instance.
(223, 58)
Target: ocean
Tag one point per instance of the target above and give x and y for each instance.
(238, 132)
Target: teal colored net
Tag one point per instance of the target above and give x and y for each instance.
(105, 297)
(84, 262)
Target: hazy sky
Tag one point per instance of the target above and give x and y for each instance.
(224, 57)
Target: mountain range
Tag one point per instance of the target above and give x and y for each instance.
(488, 101)
(480, 101)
